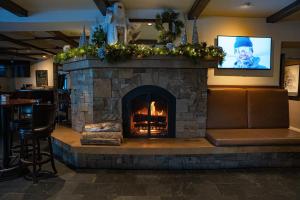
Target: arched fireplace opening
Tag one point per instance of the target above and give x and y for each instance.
(149, 112)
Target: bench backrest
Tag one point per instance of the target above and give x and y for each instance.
(247, 108)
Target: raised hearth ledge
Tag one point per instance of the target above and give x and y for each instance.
(164, 146)
(168, 154)
(153, 62)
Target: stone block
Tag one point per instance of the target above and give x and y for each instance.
(182, 105)
(102, 73)
(83, 107)
(125, 73)
(116, 94)
(102, 88)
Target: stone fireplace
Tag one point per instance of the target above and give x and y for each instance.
(151, 97)
(149, 111)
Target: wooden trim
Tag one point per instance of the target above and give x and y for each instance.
(13, 8)
(17, 54)
(63, 37)
(295, 129)
(9, 39)
(290, 61)
(134, 20)
(102, 5)
(197, 9)
(294, 44)
(242, 86)
(285, 12)
(281, 73)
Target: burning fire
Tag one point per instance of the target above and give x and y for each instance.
(153, 111)
(150, 120)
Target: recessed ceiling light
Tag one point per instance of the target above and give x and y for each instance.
(44, 56)
(149, 24)
(246, 5)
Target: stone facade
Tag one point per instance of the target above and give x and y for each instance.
(75, 159)
(97, 93)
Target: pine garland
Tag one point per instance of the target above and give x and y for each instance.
(120, 53)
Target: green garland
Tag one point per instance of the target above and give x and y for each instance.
(171, 18)
(120, 52)
(99, 37)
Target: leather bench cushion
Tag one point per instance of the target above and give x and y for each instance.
(227, 108)
(252, 137)
(268, 108)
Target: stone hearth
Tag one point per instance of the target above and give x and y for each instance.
(98, 89)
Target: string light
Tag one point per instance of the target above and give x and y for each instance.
(121, 52)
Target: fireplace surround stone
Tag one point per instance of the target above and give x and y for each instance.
(97, 89)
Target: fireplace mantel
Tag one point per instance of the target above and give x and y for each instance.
(161, 62)
(98, 88)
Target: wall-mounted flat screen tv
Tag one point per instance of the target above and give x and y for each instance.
(2, 70)
(244, 52)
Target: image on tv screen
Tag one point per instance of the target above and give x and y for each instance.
(246, 52)
(2, 70)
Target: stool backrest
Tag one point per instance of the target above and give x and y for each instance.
(43, 115)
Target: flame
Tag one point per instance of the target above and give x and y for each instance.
(153, 111)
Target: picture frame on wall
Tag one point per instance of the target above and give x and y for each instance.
(41, 78)
(291, 80)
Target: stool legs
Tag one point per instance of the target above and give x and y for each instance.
(37, 156)
(34, 161)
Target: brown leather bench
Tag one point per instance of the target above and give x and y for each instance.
(249, 117)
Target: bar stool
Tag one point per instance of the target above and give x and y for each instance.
(23, 120)
(42, 125)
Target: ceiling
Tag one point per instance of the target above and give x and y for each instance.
(42, 6)
(43, 15)
(236, 8)
(43, 40)
(229, 8)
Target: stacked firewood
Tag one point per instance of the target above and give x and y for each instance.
(102, 134)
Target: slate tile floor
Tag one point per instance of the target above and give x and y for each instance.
(246, 184)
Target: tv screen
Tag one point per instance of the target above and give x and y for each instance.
(4, 66)
(2, 70)
(244, 52)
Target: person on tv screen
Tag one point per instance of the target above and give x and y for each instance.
(243, 51)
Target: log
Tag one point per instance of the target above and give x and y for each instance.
(101, 141)
(103, 127)
(102, 135)
(142, 118)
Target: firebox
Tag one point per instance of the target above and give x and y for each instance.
(149, 112)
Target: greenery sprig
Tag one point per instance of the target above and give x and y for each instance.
(99, 37)
(169, 17)
(121, 53)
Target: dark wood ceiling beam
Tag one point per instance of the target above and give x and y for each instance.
(63, 37)
(54, 38)
(102, 5)
(20, 43)
(285, 12)
(197, 9)
(47, 38)
(13, 8)
(10, 53)
(134, 20)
